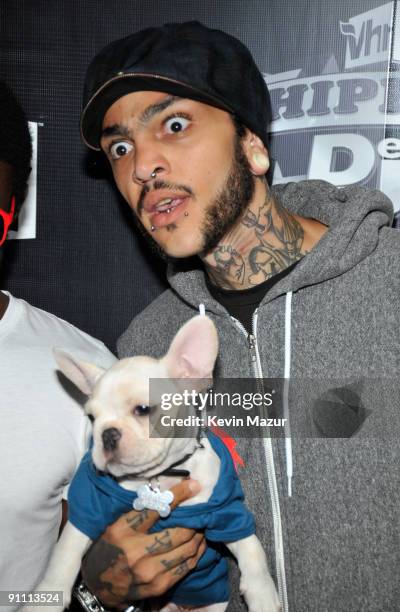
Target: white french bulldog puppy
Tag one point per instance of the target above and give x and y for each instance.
(123, 448)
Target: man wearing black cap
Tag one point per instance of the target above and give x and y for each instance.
(300, 281)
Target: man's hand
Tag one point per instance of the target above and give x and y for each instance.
(127, 564)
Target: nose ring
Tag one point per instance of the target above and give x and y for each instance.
(151, 176)
(155, 171)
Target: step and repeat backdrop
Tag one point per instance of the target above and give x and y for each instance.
(333, 71)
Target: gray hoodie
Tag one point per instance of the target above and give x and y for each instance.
(331, 328)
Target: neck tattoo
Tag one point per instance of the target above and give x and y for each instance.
(275, 238)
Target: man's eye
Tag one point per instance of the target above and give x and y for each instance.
(119, 149)
(176, 124)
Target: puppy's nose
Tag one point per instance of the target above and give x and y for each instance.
(110, 438)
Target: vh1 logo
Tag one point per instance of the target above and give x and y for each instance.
(368, 36)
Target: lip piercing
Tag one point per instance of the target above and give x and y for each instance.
(153, 228)
(153, 174)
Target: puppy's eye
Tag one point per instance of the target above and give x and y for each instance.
(91, 418)
(141, 410)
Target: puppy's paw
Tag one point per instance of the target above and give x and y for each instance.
(258, 603)
(261, 596)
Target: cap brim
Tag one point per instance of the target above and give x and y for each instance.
(105, 96)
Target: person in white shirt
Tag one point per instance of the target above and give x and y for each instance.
(44, 431)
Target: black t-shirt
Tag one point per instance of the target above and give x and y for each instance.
(242, 303)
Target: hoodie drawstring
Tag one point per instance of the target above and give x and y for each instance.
(286, 384)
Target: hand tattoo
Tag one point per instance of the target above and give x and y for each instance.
(137, 520)
(169, 564)
(181, 569)
(161, 543)
(103, 562)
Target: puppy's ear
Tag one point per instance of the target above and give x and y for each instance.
(194, 349)
(82, 373)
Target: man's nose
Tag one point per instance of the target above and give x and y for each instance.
(110, 438)
(153, 175)
(150, 163)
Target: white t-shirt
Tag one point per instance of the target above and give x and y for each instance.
(43, 434)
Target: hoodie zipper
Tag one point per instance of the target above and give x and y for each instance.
(269, 459)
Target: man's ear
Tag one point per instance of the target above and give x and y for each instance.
(193, 351)
(256, 153)
(82, 373)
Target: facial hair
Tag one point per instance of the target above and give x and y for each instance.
(223, 212)
(229, 205)
(152, 243)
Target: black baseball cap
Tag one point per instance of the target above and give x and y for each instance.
(188, 60)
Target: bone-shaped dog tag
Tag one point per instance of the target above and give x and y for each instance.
(153, 499)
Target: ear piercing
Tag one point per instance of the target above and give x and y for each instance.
(261, 161)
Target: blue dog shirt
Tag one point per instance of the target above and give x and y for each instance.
(96, 500)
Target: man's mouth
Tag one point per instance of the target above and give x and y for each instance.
(168, 204)
(166, 210)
